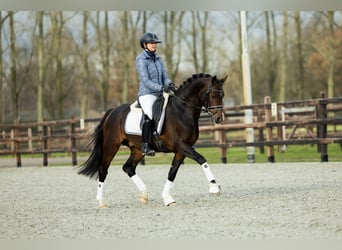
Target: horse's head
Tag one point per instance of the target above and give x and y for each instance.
(204, 92)
(214, 99)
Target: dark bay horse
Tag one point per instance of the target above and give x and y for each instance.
(201, 92)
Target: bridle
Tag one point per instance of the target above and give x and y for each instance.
(209, 109)
(206, 108)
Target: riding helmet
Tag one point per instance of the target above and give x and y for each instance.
(149, 38)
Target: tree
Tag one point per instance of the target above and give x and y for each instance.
(86, 73)
(125, 51)
(270, 55)
(15, 91)
(60, 62)
(300, 57)
(2, 110)
(63, 70)
(103, 43)
(324, 62)
(40, 82)
(57, 27)
(283, 60)
(331, 53)
(172, 23)
(124, 54)
(2, 103)
(199, 25)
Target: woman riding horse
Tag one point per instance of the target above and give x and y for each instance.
(180, 132)
(153, 80)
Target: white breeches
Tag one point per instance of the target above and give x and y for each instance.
(146, 102)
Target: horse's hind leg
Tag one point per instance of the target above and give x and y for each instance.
(166, 194)
(108, 155)
(129, 168)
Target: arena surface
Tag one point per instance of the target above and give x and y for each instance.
(258, 201)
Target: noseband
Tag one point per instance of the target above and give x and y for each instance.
(207, 108)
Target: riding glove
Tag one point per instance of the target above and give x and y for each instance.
(169, 88)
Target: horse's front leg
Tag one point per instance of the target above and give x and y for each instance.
(169, 184)
(214, 187)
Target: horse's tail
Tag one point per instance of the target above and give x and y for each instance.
(91, 166)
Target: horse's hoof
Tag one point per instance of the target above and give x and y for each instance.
(143, 199)
(102, 204)
(169, 201)
(214, 188)
(171, 204)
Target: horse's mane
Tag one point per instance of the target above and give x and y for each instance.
(191, 79)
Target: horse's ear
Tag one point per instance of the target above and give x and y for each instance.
(214, 79)
(224, 79)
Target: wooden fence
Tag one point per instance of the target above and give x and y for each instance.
(274, 124)
(271, 122)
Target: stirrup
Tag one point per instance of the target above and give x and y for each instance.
(146, 150)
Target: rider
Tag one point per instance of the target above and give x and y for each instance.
(153, 79)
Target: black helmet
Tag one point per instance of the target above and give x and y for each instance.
(149, 38)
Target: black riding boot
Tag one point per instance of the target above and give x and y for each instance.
(146, 138)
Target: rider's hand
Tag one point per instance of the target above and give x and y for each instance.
(172, 86)
(166, 89)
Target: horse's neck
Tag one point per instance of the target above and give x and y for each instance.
(191, 99)
(191, 93)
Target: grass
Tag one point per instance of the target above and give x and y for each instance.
(294, 153)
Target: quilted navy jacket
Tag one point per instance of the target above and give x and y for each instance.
(152, 74)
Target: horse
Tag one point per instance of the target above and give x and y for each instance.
(180, 131)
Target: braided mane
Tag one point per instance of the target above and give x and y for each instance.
(191, 79)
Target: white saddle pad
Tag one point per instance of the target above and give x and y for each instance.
(132, 123)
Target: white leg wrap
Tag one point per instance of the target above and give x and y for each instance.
(139, 183)
(167, 188)
(99, 195)
(214, 188)
(208, 174)
(168, 200)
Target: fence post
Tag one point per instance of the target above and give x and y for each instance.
(279, 129)
(45, 143)
(261, 132)
(322, 131)
(269, 135)
(17, 142)
(29, 138)
(3, 134)
(12, 140)
(73, 142)
(222, 139)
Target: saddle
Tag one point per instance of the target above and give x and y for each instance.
(135, 117)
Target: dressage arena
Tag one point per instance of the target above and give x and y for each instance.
(258, 201)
